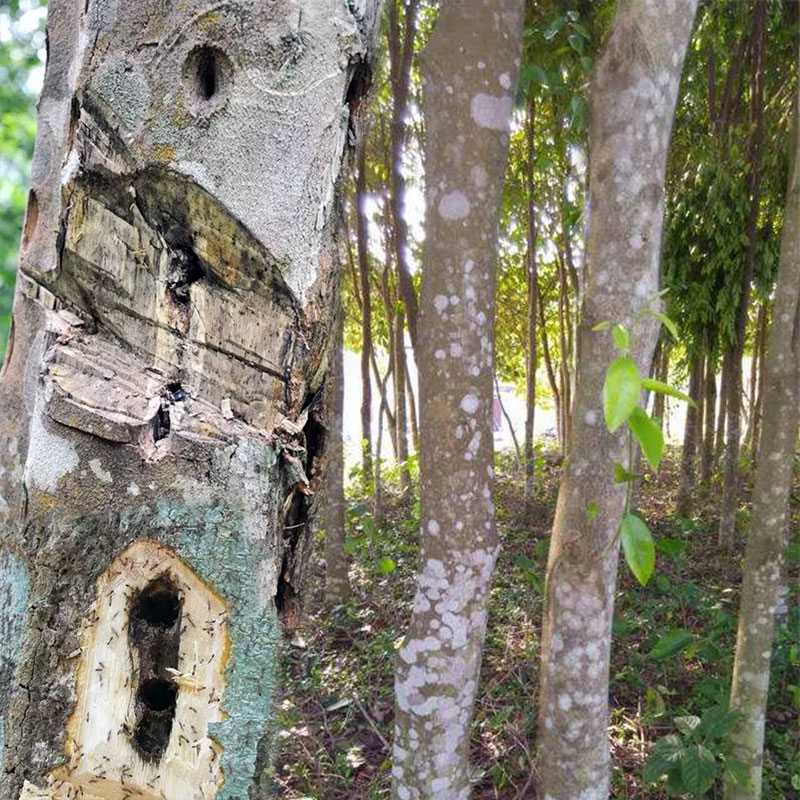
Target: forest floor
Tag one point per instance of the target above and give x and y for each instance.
(672, 651)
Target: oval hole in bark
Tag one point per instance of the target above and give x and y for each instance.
(158, 605)
(206, 79)
(31, 218)
(158, 694)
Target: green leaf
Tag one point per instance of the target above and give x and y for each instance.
(739, 773)
(554, 27)
(591, 511)
(350, 547)
(673, 641)
(587, 63)
(637, 543)
(670, 547)
(687, 725)
(649, 434)
(576, 42)
(621, 475)
(619, 333)
(698, 770)
(663, 388)
(386, 565)
(718, 722)
(620, 391)
(666, 322)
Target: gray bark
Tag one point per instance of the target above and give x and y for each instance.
(632, 102)
(158, 423)
(764, 556)
(469, 76)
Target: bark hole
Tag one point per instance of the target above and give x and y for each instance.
(31, 218)
(206, 78)
(155, 629)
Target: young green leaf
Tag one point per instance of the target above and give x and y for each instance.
(663, 388)
(698, 770)
(673, 641)
(649, 434)
(620, 391)
(591, 511)
(686, 725)
(666, 322)
(621, 475)
(602, 326)
(619, 333)
(386, 565)
(637, 543)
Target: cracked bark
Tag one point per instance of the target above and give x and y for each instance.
(160, 397)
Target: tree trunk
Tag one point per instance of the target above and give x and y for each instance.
(764, 556)
(662, 374)
(412, 410)
(532, 279)
(366, 311)
(400, 56)
(645, 49)
(401, 408)
(707, 460)
(730, 486)
(467, 116)
(337, 582)
(689, 453)
(158, 417)
(722, 417)
(548, 360)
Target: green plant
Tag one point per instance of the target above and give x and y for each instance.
(622, 390)
(693, 759)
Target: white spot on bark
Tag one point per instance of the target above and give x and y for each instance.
(103, 475)
(49, 457)
(490, 111)
(469, 403)
(453, 205)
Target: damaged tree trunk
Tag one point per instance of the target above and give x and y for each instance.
(633, 95)
(469, 71)
(159, 427)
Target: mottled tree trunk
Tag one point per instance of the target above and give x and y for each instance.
(400, 405)
(337, 583)
(632, 97)
(532, 281)
(690, 436)
(470, 71)
(722, 414)
(764, 556)
(159, 421)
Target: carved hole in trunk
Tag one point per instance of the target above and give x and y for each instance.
(206, 79)
(155, 630)
(31, 219)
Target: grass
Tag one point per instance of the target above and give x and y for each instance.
(335, 722)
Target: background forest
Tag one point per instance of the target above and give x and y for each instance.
(675, 636)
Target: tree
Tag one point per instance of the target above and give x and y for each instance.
(632, 101)
(766, 542)
(469, 75)
(159, 417)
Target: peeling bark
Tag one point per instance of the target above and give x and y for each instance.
(469, 77)
(632, 103)
(171, 334)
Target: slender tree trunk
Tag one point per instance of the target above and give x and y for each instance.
(662, 374)
(722, 417)
(764, 556)
(563, 367)
(532, 280)
(508, 420)
(645, 49)
(753, 380)
(401, 407)
(467, 117)
(548, 360)
(689, 454)
(337, 582)
(707, 461)
(401, 52)
(730, 486)
(159, 417)
(761, 385)
(366, 310)
(412, 410)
